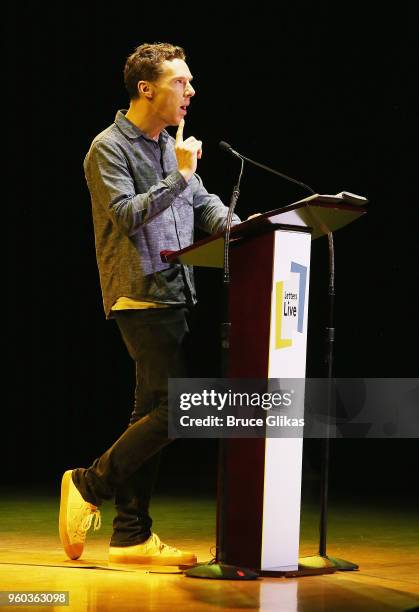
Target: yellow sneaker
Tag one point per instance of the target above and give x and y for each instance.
(76, 516)
(151, 552)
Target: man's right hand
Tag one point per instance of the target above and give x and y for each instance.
(187, 152)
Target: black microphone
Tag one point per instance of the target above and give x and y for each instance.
(224, 146)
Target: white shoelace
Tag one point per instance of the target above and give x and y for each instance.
(91, 512)
(161, 546)
(87, 521)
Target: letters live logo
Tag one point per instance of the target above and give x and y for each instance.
(290, 302)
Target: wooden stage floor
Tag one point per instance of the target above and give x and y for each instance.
(383, 539)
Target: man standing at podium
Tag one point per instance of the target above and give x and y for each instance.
(146, 197)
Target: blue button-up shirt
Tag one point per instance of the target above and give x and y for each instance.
(141, 206)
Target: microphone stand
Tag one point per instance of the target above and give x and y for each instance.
(217, 568)
(323, 559)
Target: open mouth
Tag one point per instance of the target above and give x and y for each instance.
(183, 108)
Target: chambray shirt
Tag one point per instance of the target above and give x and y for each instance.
(141, 206)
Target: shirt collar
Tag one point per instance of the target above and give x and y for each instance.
(132, 131)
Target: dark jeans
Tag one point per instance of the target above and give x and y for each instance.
(157, 340)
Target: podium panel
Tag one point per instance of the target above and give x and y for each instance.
(268, 311)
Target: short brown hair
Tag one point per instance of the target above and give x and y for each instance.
(144, 64)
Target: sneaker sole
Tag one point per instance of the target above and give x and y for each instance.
(73, 551)
(153, 560)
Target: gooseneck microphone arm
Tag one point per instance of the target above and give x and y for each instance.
(225, 325)
(229, 149)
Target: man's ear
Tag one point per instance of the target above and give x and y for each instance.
(145, 89)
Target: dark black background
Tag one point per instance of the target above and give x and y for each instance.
(324, 95)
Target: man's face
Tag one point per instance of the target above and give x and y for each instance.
(172, 92)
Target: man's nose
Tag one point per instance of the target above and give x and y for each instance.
(190, 91)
